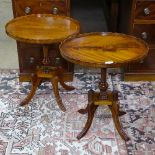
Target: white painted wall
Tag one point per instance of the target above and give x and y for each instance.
(8, 49)
(5, 15)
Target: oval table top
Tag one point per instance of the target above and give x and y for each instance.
(42, 28)
(103, 50)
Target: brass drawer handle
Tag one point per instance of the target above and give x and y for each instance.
(31, 60)
(27, 10)
(147, 11)
(144, 35)
(55, 10)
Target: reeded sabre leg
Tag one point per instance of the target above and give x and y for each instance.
(35, 83)
(60, 72)
(115, 98)
(54, 82)
(91, 108)
(65, 86)
(115, 115)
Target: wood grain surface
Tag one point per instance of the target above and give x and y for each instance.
(42, 28)
(103, 49)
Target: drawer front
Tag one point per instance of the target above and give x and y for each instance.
(31, 56)
(25, 7)
(145, 32)
(145, 10)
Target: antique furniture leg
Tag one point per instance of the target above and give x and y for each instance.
(54, 74)
(115, 115)
(84, 111)
(103, 85)
(35, 83)
(65, 86)
(91, 108)
(54, 82)
(103, 98)
(115, 99)
(60, 73)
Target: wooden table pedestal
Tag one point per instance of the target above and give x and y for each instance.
(103, 50)
(103, 97)
(52, 74)
(44, 29)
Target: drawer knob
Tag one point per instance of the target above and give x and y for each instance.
(147, 11)
(141, 61)
(28, 10)
(55, 10)
(144, 35)
(31, 60)
(58, 61)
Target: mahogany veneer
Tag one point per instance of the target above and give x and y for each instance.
(44, 29)
(137, 18)
(29, 54)
(103, 50)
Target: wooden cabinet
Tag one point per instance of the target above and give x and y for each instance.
(110, 8)
(24, 7)
(137, 17)
(30, 55)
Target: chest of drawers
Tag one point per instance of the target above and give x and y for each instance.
(137, 17)
(30, 55)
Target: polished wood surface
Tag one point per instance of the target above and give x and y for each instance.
(42, 28)
(30, 55)
(54, 75)
(27, 7)
(103, 97)
(103, 49)
(145, 10)
(137, 18)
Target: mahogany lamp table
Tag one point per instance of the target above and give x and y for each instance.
(103, 50)
(44, 29)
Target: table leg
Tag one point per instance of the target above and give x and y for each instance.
(35, 83)
(65, 86)
(115, 115)
(54, 74)
(83, 111)
(90, 109)
(95, 99)
(54, 82)
(60, 72)
(115, 99)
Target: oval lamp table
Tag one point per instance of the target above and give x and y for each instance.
(44, 29)
(103, 50)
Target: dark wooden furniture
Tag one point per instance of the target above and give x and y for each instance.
(111, 9)
(137, 18)
(44, 29)
(103, 50)
(90, 14)
(30, 55)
